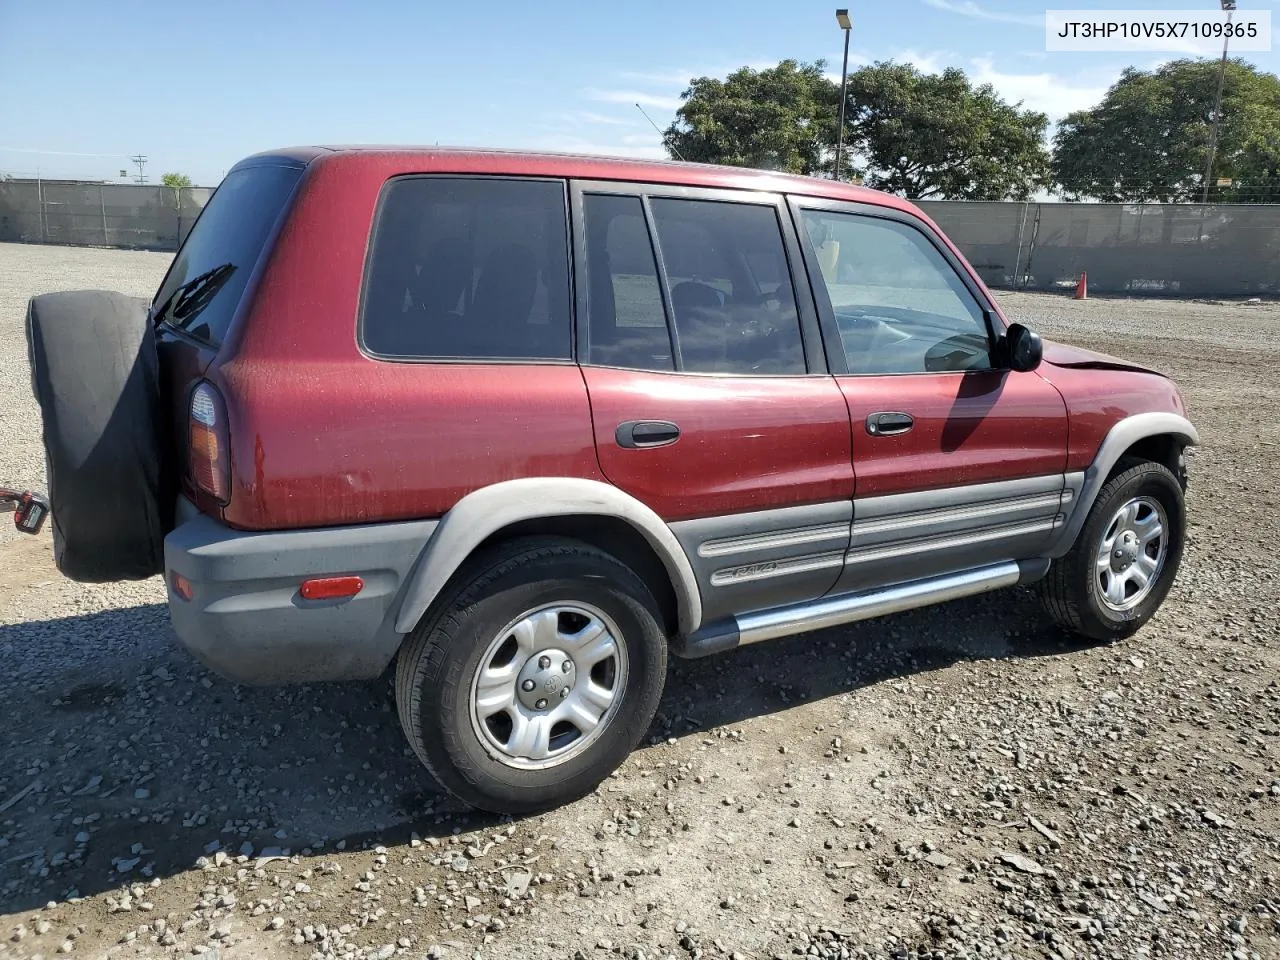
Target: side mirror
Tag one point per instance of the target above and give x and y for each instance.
(1023, 349)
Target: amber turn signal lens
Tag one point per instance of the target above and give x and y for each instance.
(182, 588)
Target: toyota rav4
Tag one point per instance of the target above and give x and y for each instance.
(524, 424)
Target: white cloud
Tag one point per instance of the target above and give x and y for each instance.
(968, 8)
(1050, 93)
(680, 77)
(934, 62)
(1047, 92)
(635, 96)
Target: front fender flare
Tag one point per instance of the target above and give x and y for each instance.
(484, 512)
(1119, 438)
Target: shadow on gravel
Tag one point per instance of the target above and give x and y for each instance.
(157, 762)
(757, 680)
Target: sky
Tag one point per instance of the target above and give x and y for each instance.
(196, 86)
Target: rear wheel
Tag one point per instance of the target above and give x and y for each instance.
(535, 678)
(1124, 561)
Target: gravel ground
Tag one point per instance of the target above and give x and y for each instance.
(961, 781)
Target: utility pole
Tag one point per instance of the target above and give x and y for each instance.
(141, 162)
(1229, 6)
(846, 24)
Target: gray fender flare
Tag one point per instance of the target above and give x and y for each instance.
(483, 512)
(1119, 438)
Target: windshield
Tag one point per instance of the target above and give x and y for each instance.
(210, 273)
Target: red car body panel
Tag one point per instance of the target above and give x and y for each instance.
(324, 443)
(1097, 399)
(1065, 355)
(322, 434)
(969, 428)
(746, 443)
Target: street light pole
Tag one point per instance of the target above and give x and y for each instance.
(846, 24)
(1229, 6)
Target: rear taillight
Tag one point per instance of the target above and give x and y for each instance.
(208, 443)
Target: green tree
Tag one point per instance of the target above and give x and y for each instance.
(1148, 140)
(779, 118)
(936, 136)
(177, 181)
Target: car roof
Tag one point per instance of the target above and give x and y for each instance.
(433, 159)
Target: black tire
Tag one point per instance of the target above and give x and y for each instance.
(440, 658)
(1072, 592)
(95, 375)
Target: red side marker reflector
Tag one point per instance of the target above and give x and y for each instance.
(182, 587)
(331, 588)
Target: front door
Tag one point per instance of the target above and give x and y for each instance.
(710, 400)
(958, 460)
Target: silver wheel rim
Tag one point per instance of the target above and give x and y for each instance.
(1131, 555)
(548, 685)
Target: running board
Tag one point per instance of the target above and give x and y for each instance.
(847, 608)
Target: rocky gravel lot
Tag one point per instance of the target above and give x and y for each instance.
(956, 782)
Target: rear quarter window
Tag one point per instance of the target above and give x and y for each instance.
(212, 269)
(469, 268)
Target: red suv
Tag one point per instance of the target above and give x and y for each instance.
(523, 423)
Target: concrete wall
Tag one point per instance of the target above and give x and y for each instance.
(1173, 249)
(107, 215)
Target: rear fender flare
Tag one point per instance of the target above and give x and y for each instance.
(1120, 438)
(484, 512)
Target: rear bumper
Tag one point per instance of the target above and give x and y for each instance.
(246, 619)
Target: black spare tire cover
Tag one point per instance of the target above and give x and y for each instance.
(95, 375)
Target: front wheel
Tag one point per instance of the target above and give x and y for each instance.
(535, 678)
(1124, 560)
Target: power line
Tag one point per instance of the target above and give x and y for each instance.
(141, 162)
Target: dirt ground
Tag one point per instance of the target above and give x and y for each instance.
(955, 782)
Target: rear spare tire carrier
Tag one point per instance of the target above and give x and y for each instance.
(95, 376)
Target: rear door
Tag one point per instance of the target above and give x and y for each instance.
(709, 393)
(959, 461)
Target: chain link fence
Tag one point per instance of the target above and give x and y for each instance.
(1185, 250)
(98, 214)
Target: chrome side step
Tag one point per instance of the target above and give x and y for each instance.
(846, 608)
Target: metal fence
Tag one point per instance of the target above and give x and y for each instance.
(1187, 250)
(1145, 249)
(98, 214)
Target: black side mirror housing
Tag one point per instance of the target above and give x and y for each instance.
(1023, 348)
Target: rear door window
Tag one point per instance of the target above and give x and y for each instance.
(469, 268)
(208, 277)
(628, 321)
(731, 294)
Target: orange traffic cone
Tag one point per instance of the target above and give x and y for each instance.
(1082, 288)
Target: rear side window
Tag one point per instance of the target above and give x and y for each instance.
(731, 295)
(628, 323)
(209, 275)
(732, 307)
(469, 268)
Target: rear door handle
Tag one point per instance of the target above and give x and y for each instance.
(889, 424)
(642, 434)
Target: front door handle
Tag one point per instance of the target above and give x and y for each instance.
(889, 424)
(642, 434)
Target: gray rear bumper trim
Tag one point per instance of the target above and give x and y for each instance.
(247, 620)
